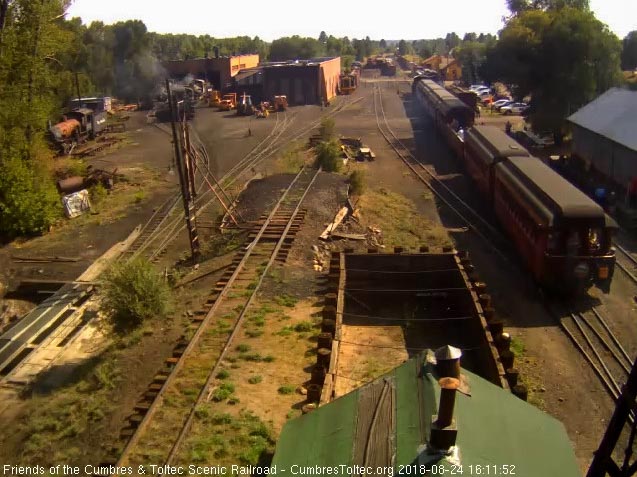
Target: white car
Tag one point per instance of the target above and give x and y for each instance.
(474, 87)
(501, 103)
(514, 108)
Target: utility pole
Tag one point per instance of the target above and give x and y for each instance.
(189, 206)
(77, 87)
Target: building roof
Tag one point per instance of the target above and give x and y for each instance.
(246, 73)
(611, 115)
(299, 62)
(386, 423)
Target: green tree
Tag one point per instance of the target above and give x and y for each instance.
(518, 6)
(629, 51)
(562, 57)
(403, 47)
(322, 37)
(471, 55)
(29, 202)
(295, 47)
(382, 44)
(451, 41)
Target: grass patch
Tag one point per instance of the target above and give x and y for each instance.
(285, 331)
(243, 348)
(254, 357)
(223, 374)
(292, 158)
(517, 347)
(285, 390)
(269, 359)
(254, 333)
(304, 326)
(286, 300)
(255, 379)
(139, 196)
(399, 221)
(223, 392)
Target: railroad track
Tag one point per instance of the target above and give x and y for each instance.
(163, 417)
(627, 264)
(591, 335)
(164, 224)
(588, 330)
(469, 216)
(273, 143)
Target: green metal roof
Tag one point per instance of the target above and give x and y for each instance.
(387, 423)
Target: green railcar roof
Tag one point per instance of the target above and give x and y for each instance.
(387, 422)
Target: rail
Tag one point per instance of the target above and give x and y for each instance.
(208, 349)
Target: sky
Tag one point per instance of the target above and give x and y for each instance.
(271, 19)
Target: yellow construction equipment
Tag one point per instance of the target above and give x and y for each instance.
(262, 111)
(214, 98)
(228, 102)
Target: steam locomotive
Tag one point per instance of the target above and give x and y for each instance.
(78, 126)
(563, 237)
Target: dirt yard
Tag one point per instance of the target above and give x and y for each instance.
(267, 392)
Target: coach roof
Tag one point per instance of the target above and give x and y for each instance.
(555, 192)
(496, 142)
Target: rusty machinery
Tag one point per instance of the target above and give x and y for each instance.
(77, 126)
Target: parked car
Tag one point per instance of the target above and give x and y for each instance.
(475, 87)
(514, 108)
(501, 103)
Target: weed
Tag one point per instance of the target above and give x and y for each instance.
(202, 412)
(97, 194)
(328, 155)
(243, 348)
(254, 357)
(139, 196)
(268, 359)
(221, 418)
(357, 182)
(304, 326)
(255, 379)
(285, 331)
(517, 347)
(223, 374)
(286, 300)
(233, 400)
(254, 333)
(287, 389)
(223, 392)
(133, 292)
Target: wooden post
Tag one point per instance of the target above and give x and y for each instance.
(189, 206)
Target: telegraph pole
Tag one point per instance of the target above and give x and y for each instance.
(189, 206)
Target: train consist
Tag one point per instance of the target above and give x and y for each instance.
(563, 237)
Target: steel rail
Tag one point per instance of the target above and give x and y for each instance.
(193, 341)
(206, 392)
(428, 183)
